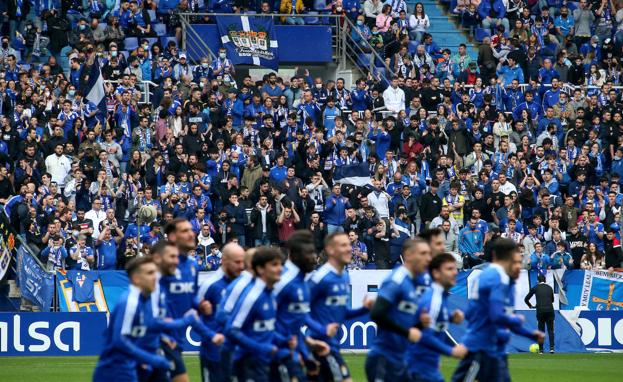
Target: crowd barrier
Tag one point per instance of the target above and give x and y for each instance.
(589, 313)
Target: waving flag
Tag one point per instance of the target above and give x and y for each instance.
(94, 91)
(249, 40)
(355, 174)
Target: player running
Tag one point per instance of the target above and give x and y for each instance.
(330, 300)
(180, 290)
(292, 295)
(253, 324)
(423, 357)
(212, 290)
(130, 320)
(487, 312)
(394, 312)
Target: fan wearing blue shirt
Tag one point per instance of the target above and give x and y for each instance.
(330, 303)
(212, 290)
(130, 320)
(106, 246)
(395, 311)
(423, 357)
(486, 313)
(252, 326)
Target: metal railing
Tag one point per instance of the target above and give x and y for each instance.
(346, 52)
(144, 87)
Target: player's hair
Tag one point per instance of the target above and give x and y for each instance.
(299, 242)
(503, 249)
(264, 255)
(172, 225)
(136, 263)
(329, 239)
(439, 260)
(428, 234)
(158, 248)
(410, 244)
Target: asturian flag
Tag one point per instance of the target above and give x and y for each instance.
(249, 40)
(355, 174)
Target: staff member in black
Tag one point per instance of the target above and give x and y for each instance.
(544, 309)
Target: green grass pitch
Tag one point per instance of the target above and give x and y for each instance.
(524, 368)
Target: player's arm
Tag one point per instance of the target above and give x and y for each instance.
(380, 315)
(242, 314)
(121, 341)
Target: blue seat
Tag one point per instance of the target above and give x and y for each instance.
(18, 56)
(481, 33)
(160, 29)
(165, 41)
(412, 47)
(126, 54)
(312, 19)
(152, 15)
(152, 40)
(130, 43)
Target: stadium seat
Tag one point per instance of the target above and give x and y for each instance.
(18, 56)
(130, 43)
(165, 40)
(481, 33)
(160, 29)
(312, 19)
(152, 40)
(412, 47)
(104, 25)
(152, 15)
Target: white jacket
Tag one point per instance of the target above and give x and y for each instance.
(58, 167)
(394, 99)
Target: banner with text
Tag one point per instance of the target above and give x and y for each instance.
(249, 40)
(36, 284)
(51, 334)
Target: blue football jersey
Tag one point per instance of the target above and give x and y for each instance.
(330, 301)
(423, 357)
(213, 290)
(130, 321)
(488, 305)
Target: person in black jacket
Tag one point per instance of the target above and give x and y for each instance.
(263, 221)
(612, 250)
(430, 204)
(544, 309)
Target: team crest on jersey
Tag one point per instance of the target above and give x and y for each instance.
(266, 306)
(193, 271)
(178, 274)
(336, 288)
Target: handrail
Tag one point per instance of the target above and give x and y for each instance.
(145, 93)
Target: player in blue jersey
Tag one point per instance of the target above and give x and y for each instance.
(180, 290)
(394, 312)
(504, 332)
(292, 296)
(330, 303)
(212, 290)
(487, 311)
(166, 256)
(232, 294)
(423, 357)
(435, 239)
(252, 326)
(129, 322)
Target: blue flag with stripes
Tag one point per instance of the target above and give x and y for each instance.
(355, 174)
(249, 40)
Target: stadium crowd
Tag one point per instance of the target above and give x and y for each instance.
(450, 142)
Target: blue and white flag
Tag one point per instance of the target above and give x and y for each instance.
(35, 283)
(249, 40)
(94, 88)
(94, 93)
(355, 174)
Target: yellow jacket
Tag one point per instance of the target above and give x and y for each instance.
(286, 8)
